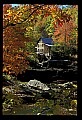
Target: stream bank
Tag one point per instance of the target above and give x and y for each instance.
(21, 98)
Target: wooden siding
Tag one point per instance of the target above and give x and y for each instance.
(42, 48)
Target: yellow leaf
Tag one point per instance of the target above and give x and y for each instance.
(74, 103)
(8, 10)
(74, 85)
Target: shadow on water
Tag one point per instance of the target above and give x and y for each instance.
(47, 76)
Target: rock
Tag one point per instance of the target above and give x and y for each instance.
(38, 113)
(35, 86)
(58, 86)
(56, 90)
(7, 82)
(73, 111)
(65, 85)
(75, 86)
(8, 89)
(74, 104)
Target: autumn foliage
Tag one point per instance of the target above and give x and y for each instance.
(14, 53)
(63, 32)
(30, 22)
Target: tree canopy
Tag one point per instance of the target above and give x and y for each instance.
(25, 24)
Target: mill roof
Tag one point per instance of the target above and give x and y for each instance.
(47, 41)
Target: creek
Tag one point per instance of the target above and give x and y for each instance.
(49, 76)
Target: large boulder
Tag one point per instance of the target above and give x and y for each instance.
(35, 86)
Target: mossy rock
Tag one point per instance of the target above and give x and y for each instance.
(73, 104)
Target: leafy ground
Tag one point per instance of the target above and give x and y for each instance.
(43, 107)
